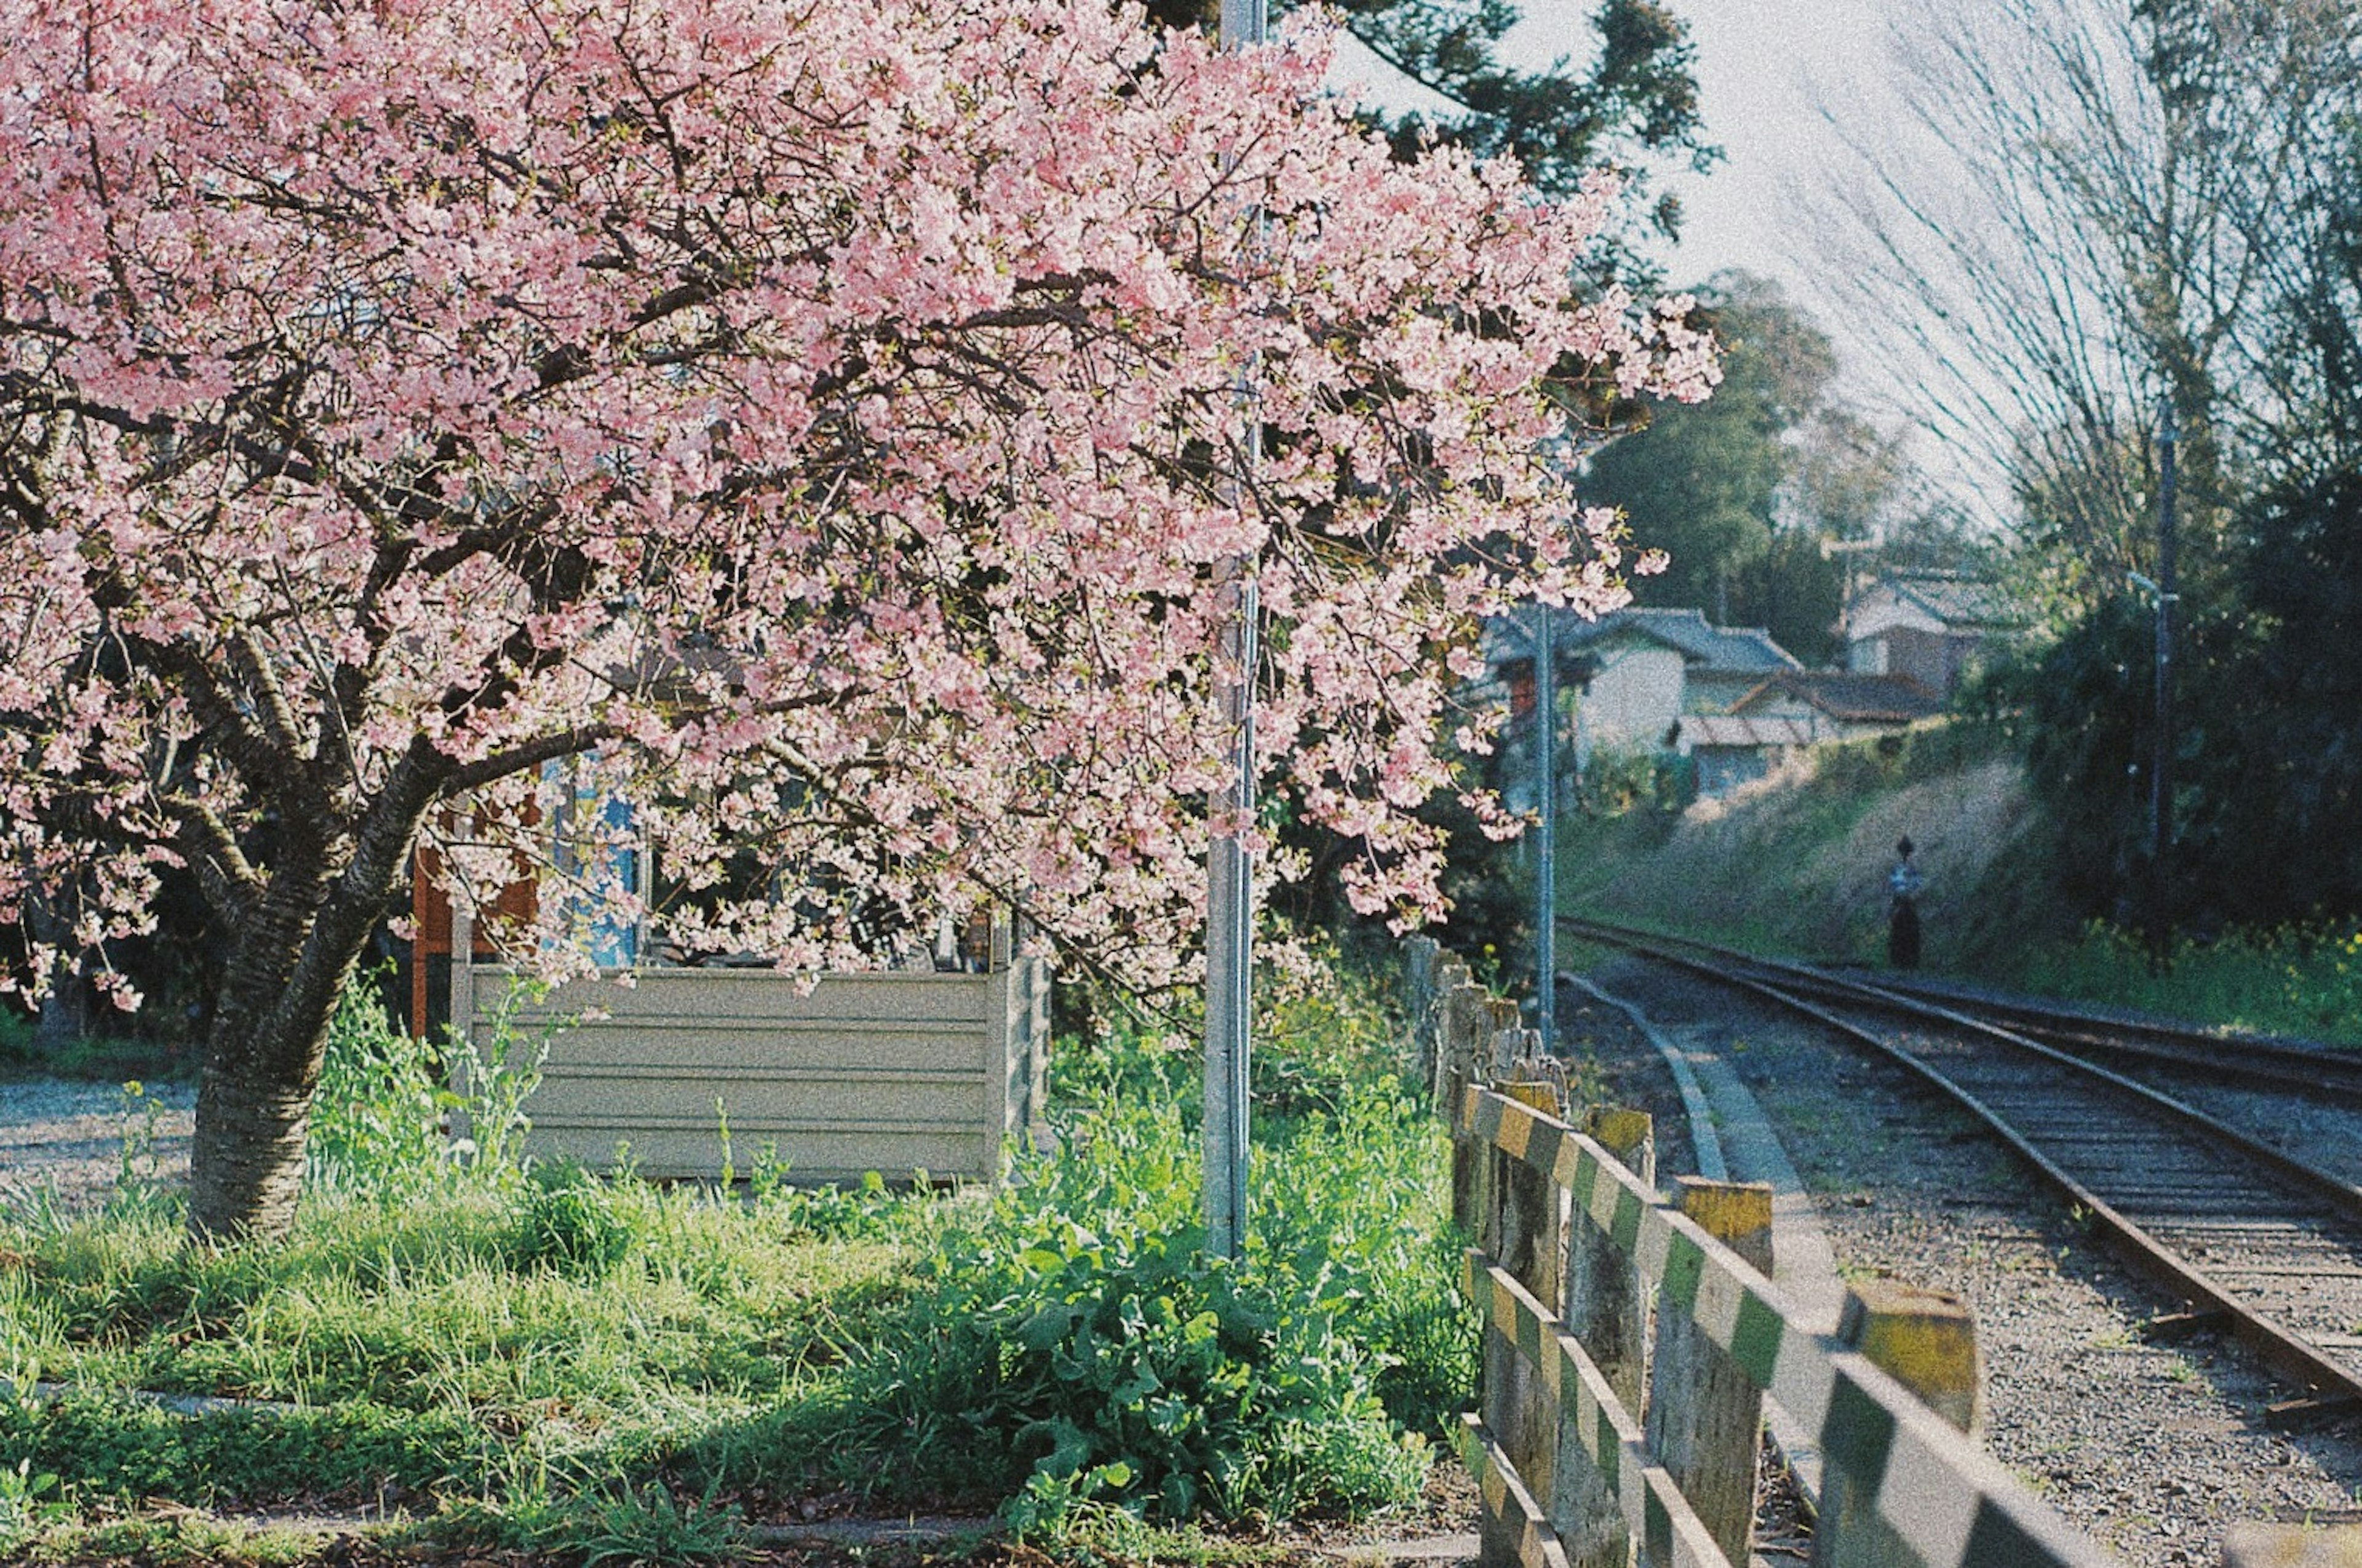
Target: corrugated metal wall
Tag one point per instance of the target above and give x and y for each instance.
(894, 1073)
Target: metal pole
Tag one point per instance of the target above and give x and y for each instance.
(1229, 875)
(2161, 778)
(1546, 839)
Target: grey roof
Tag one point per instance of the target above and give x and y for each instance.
(1746, 729)
(1955, 600)
(1715, 647)
(1861, 699)
(1685, 631)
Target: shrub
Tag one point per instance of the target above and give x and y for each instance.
(377, 1119)
(571, 1221)
(1077, 1347)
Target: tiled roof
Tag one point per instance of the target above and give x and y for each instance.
(1685, 631)
(1857, 699)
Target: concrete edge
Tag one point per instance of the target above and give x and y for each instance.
(1735, 1142)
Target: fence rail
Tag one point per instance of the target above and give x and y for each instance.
(1594, 1438)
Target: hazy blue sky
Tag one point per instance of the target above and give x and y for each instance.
(1764, 67)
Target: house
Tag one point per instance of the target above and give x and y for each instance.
(1669, 683)
(1632, 676)
(1794, 708)
(1933, 627)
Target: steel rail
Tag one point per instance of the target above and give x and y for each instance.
(2327, 1380)
(2307, 1067)
(2287, 1066)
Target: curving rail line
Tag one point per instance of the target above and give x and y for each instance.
(2288, 1066)
(2255, 1240)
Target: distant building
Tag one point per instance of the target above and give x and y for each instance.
(1799, 708)
(1932, 627)
(1668, 681)
(1639, 671)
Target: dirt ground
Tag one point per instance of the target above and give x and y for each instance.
(66, 1143)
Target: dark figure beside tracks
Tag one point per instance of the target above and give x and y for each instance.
(1903, 886)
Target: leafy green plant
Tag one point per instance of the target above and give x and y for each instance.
(1082, 1351)
(496, 1071)
(29, 1503)
(377, 1118)
(571, 1221)
(613, 1522)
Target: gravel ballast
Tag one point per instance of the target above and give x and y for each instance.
(67, 1142)
(2151, 1449)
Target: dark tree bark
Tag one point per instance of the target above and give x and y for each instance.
(65, 1011)
(294, 950)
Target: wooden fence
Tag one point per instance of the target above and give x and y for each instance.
(1596, 1436)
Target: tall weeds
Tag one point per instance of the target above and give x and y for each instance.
(526, 1352)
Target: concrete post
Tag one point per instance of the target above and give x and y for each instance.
(1603, 1304)
(1529, 1209)
(1705, 1415)
(1927, 1340)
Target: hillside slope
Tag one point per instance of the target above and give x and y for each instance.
(1797, 862)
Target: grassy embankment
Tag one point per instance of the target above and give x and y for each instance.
(1796, 864)
(605, 1370)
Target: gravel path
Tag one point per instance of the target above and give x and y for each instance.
(71, 1141)
(2151, 1449)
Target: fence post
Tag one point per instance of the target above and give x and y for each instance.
(1705, 1415)
(1927, 1340)
(1451, 977)
(1503, 1016)
(1465, 1017)
(1604, 1305)
(2291, 1546)
(1421, 957)
(1529, 1208)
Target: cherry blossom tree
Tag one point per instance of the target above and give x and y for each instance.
(820, 427)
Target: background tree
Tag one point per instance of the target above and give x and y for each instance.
(2158, 211)
(1632, 106)
(814, 431)
(1748, 493)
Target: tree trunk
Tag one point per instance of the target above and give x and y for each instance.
(246, 1166)
(65, 1011)
(294, 950)
(262, 1062)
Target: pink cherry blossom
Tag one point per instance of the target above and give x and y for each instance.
(818, 427)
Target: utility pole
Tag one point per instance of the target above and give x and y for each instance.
(2160, 776)
(1546, 838)
(1229, 875)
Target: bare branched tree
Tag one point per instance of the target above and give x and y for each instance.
(2094, 205)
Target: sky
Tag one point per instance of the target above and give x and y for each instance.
(1772, 76)
(1764, 68)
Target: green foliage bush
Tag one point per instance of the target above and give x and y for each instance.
(1077, 1344)
(2299, 980)
(377, 1118)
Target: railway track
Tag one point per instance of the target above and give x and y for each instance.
(2250, 1240)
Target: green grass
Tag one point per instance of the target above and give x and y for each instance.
(2301, 982)
(600, 1368)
